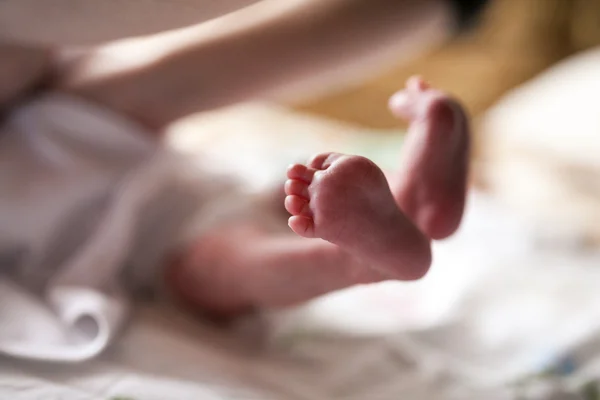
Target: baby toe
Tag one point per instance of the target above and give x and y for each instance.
(414, 104)
(401, 105)
(323, 161)
(300, 172)
(296, 205)
(302, 226)
(417, 84)
(297, 188)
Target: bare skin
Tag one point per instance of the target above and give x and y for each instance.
(353, 225)
(253, 52)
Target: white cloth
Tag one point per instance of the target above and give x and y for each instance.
(90, 206)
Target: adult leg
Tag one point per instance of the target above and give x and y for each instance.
(431, 182)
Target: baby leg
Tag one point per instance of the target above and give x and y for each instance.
(372, 227)
(431, 183)
(344, 200)
(238, 268)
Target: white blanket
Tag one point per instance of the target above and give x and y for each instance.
(90, 208)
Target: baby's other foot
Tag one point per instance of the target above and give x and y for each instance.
(346, 200)
(432, 182)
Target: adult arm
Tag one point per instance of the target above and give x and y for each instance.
(249, 53)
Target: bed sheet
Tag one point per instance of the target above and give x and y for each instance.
(164, 356)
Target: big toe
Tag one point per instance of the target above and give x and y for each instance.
(407, 103)
(300, 172)
(323, 161)
(417, 84)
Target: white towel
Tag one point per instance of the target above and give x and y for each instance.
(90, 207)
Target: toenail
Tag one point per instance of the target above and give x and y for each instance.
(292, 167)
(417, 83)
(423, 85)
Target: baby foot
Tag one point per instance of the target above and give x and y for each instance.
(346, 200)
(431, 185)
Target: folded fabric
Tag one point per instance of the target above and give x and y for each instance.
(90, 206)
